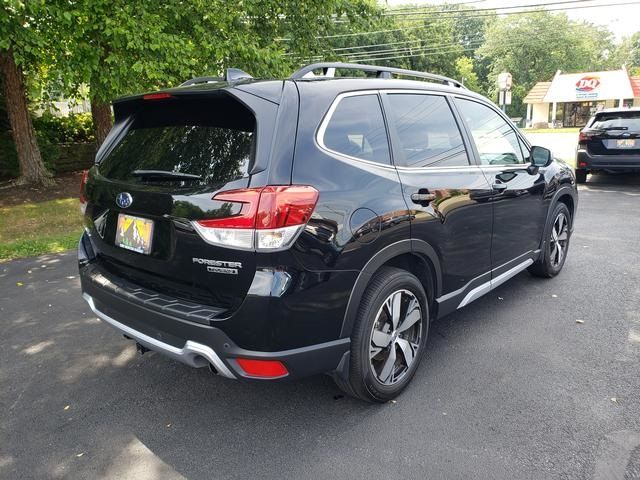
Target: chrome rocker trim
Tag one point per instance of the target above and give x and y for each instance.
(193, 354)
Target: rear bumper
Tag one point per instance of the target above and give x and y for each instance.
(587, 161)
(192, 342)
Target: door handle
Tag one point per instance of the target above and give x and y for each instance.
(499, 187)
(422, 197)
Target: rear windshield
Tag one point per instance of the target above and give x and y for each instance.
(629, 121)
(186, 142)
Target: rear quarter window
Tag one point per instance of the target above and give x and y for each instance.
(356, 128)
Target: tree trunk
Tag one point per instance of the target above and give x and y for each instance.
(32, 170)
(102, 122)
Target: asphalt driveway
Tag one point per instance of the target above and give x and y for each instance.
(513, 386)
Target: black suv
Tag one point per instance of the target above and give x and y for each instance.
(610, 142)
(283, 228)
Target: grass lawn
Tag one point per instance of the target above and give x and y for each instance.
(37, 228)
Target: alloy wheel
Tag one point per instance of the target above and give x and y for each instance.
(559, 239)
(395, 337)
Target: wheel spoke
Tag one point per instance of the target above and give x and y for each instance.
(380, 339)
(554, 252)
(389, 365)
(563, 236)
(407, 350)
(559, 253)
(373, 351)
(411, 318)
(395, 308)
(560, 223)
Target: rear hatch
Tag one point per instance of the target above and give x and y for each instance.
(613, 133)
(156, 175)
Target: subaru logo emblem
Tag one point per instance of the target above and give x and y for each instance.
(124, 200)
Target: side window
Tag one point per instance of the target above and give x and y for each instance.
(427, 131)
(495, 139)
(357, 129)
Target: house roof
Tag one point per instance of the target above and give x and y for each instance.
(537, 93)
(635, 85)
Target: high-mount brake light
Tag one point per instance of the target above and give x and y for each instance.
(156, 96)
(269, 218)
(83, 183)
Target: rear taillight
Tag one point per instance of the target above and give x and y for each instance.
(269, 218)
(83, 184)
(583, 137)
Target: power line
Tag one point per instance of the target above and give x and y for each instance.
(425, 10)
(476, 16)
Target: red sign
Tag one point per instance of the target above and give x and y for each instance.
(587, 84)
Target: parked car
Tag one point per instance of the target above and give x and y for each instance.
(283, 228)
(609, 142)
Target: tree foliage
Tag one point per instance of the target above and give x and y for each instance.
(533, 47)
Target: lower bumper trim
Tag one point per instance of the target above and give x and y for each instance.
(192, 353)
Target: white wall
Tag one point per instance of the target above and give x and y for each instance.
(539, 115)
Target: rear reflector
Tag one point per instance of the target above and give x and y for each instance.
(83, 198)
(156, 96)
(267, 219)
(582, 164)
(262, 368)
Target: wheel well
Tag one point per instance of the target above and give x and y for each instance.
(568, 201)
(421, 268)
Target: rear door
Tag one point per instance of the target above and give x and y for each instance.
(447, 195)
(518, 193)
(169, 155)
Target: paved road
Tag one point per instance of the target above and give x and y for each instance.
(513, 387)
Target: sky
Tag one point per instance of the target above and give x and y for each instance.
(621, 20)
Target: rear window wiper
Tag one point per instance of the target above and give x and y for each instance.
(165, 175)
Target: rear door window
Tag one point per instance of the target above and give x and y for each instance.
(357, 129)
(186, 142)
(427, 131)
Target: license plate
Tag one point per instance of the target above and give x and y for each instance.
(134, 233)
(626, 143)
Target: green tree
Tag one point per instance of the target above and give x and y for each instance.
(21, 46)
(534, 46)
(118, 47)
(466, 73)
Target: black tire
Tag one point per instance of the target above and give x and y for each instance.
(375, 306)
(581, 175)
(549, 264)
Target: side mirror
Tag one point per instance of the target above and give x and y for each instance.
(540, 156)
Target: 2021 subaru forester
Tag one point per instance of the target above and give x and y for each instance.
(282, 228)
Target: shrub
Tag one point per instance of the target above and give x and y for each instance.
(76, 128)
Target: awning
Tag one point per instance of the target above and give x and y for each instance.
(537, 93)
(590, 86)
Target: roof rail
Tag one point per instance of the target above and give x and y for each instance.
(329, 68)
(231, 75)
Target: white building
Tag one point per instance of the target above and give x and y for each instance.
(570, 99)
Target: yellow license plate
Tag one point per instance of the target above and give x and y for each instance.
(626, 143)
(134, 233)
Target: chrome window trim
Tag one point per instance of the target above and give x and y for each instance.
(319, 137)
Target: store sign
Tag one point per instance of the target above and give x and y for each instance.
(587, 87)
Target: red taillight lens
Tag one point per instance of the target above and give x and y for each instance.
(583, 137)
(268, 218)
(262, 368)
(156, 96)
